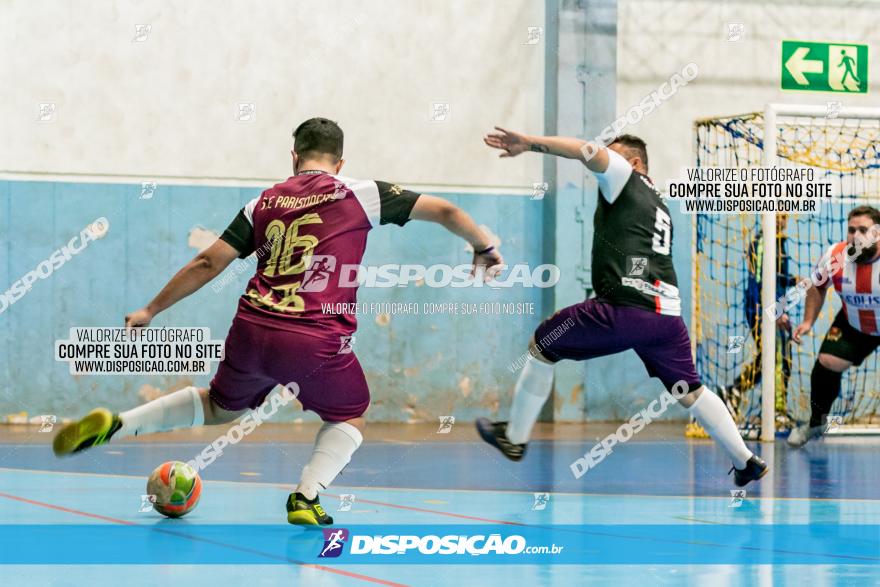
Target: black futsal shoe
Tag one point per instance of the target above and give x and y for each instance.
(754, 470)
(495, 433)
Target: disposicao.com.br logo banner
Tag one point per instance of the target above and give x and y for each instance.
(436, 544)
(384, 544)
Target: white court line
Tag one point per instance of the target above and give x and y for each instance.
(422, 489)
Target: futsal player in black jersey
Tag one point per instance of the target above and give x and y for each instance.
(637, 304)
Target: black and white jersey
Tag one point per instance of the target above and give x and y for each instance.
(632, 242)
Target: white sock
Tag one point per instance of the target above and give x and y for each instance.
(334, 445)
(531, 392)
(179, 409)
(712, 414)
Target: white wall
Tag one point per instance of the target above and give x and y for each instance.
(167, 106)
(657, 38)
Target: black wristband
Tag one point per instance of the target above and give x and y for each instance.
(488, 249)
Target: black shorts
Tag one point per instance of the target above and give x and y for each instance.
(847, 343)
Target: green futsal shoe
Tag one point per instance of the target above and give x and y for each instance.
(94, 429)
(306, 512)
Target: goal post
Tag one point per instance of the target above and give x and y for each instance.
(842, 146)
(768, 293)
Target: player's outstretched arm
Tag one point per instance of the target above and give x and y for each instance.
(460, 223)
(203, 268)
(815, 300)
(594, 156)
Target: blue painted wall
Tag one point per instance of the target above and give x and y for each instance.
(419, 367)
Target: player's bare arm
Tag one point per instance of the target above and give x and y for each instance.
(203, 268)
(813, 305)
(514, 143)
(459, 223)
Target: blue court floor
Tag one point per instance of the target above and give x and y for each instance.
(653, 513)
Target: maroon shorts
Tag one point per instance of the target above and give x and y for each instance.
(594, 328)
(258, 357)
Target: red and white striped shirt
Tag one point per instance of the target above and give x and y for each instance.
(858, 285)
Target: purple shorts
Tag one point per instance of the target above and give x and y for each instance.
(257, 358)
(594, 328)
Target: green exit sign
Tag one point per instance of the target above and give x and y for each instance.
(824, 67)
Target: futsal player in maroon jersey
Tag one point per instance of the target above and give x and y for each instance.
(305, 231)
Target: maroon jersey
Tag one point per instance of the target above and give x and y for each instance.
(309, 234)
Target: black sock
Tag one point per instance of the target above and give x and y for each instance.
(824, 389)
(302, 497)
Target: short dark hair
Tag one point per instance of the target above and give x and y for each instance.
(318, 136)
(874, 213)
(634, 143)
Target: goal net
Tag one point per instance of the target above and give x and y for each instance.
(843, 148)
